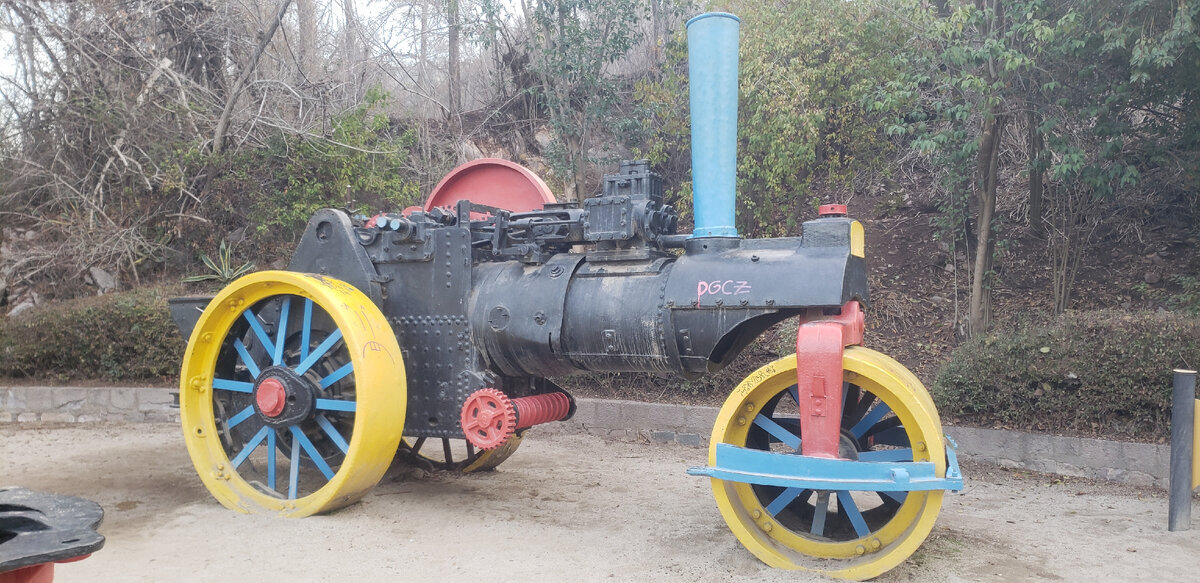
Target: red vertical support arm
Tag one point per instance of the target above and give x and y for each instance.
(819, 347)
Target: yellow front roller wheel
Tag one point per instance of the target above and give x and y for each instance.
(888, 416)
(292, 394)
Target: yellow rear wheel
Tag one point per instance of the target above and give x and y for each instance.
(888, 416)
(292, 394)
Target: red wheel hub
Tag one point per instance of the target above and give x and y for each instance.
(271, 397)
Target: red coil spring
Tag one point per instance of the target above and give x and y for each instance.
(541, 409)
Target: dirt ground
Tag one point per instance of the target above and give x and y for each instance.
(566, 507)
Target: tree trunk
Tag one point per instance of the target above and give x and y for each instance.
(455, 80)
(240, 84)
(988, 171)
(1036, 172)
(306, 51)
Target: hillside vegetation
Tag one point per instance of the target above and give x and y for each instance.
(1015, 161)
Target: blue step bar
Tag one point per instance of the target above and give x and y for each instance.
(755, 466)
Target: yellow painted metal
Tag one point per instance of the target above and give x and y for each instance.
(380, 392)
(860, 558)
(858, 240)
(1196, 447)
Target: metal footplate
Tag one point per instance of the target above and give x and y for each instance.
(753, 466)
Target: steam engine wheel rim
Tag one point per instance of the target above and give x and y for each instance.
(303, 372)
(753, 512)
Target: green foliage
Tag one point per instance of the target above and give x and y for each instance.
(362, 162)
(122, 336)
(1100, 373)
(575, 41)
(1184, 299)
(222, 270)
(807, 72)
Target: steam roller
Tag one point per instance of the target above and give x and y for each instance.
(435, 333)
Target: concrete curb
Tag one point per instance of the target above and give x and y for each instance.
(1130, 463)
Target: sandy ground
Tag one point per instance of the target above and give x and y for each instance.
(565, 508)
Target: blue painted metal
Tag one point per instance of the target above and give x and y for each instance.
(713, 73)
(228, 385)
(820, 510)
(250, 447)
(312, 452)
(886, 455)
(271, 459)
(337, 375)
(870, 419)
(294, 474)
(753, 466)
(259, 332)
(846, 502)
(770, 426)
(335, 405)
(246, 358)
(306, 329)
(242, 415)
(277, 357)
(783, 499)
(333, 433)
(318, 352)
(896, 436)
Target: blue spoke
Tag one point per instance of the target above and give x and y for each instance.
(271, 459)
(783, 499)
(777, 431)
(258, 331)
(228, 385)
(337, 375)
(870, 419)
(306, 329)
(335, 405)
(892, 436)
(250, 445)
(279, 337)
(819, 511)
(318, 352)
(294, 474)
(795, 391)
(246, 358)
(243, 415)
(333, 434)
(846, 503)
(886, 455)
(897, 496)
(312, 452)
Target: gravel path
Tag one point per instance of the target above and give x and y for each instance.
(566, 507)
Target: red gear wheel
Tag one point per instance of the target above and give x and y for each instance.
(488, 418)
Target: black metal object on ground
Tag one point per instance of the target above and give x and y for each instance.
(37, 527)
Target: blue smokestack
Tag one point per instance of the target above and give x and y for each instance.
(713, 77)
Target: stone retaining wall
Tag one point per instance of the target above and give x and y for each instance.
(84, 405)
(1131, 463)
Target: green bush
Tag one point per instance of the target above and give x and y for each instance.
(1097, 373)
(123, 336)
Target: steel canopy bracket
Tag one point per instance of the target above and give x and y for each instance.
(753, 466)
